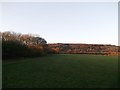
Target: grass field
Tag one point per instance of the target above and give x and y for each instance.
(62, 71)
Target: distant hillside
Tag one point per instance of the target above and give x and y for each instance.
(102, 49)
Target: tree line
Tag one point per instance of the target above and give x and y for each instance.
(15, 45)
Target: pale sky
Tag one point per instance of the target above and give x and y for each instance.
(64, 22)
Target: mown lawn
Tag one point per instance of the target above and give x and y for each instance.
(61, 71)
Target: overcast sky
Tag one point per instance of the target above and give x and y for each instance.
(80, 22)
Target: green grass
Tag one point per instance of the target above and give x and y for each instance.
(62, 71)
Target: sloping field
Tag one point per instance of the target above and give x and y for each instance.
(62, 71)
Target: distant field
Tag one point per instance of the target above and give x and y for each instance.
(62, 71)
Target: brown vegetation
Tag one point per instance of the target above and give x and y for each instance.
(97, 49)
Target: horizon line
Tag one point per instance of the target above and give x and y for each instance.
(84, 43)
